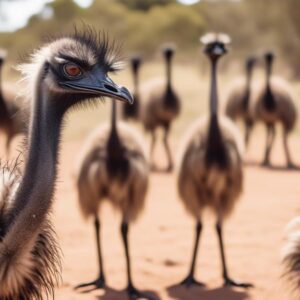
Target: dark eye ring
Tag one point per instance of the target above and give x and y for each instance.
(72, 70)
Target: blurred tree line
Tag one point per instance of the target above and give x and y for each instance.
(142, 25)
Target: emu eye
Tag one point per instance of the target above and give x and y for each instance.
(72, 70)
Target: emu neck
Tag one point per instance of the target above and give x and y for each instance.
(34, 196)
(169, 72)
(269, 101)
(114, 144)
(214, 89)
(136, 80)
(248, 88)
(215, 151)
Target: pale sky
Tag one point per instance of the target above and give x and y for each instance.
(15, 14)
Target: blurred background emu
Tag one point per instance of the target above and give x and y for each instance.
(258, 96)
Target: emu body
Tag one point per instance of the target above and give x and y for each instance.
(210, 172)
(274, 104)
(239, 104)
(160, 107)
(113, 167)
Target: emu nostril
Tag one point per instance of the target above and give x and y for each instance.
(111, 88)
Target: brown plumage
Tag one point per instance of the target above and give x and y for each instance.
(291, 258)
(131, 112)
(210, 171)
(13, 114)
(59, 76)
(274, 104)
(160, 107)
(239, 105)
(113, 167)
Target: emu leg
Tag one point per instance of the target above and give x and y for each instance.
(269, 145)
(227, 280)
(133, 293)
(99, 283)
(248, 130)
(152, 146)
(167, 148)
(190, 279)
(289, 162)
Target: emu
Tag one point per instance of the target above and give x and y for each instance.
(13, 117)
(274, 104)
(132, 111)
(160, 108)
(291, 257)
(68, 71)
(113, 166)
(238, 104)
(210, 171)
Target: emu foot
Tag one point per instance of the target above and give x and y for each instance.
(93, 285)
(135, 294)
(231, 283)
(191, 281)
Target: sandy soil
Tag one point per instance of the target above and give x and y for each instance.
(161, 240)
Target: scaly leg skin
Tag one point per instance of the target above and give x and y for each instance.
(269, 145)
(133, 293)
(227, 280)
(168, 150)
(190, 279)
(99, 283)
(290, 165)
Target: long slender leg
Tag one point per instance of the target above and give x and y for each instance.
(289, 161)
(248, 130)
(190, 279)
(167, 148)
(132, 291)
(152, 146)
(99, 283)
(269, 145)
(227, 280)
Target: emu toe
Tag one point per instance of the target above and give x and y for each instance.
(190, 281)
(135, 294)
(231, 283)
(91, 286)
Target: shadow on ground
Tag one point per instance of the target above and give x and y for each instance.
(200, 293)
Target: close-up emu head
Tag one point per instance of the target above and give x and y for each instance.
(75, 67)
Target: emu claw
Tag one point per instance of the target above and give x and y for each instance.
(191, 281)
(231, 283)
(95, 285)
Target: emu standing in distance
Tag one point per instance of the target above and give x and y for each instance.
(211, 173)
(160, 108)
(238, 104)
(132, 111)
(113, 166)
(274, 104)
(63, 73)
(13, 118)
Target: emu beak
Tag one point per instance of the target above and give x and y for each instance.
(98, 83)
